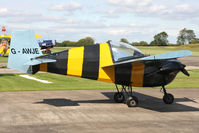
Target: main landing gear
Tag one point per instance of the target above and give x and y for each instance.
(126, 95)
(119, 96)
(167, 98)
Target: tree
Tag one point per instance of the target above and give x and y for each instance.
(81, 42)
(124, 40)
(68, 43)
(85, 41)
(135, 43)
(65, 44)
(186, 36)
(160, 39)
(141, 43)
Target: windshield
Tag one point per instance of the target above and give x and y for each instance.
(122, 51)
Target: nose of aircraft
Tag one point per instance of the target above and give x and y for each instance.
(173, 65)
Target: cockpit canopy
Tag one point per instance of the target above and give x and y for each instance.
(122, 51)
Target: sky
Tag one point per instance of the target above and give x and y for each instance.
(103, 20)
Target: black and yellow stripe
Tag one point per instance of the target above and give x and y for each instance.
(91, 58)
(60, 66)
(123, 74)
(105, 60)
(88, 62)
(75, 61)
(43, 67)
(137, 74)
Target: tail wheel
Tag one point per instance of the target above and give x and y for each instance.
(168, 98)
(132, 101)
(119, 97)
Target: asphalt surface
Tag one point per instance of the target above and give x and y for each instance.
(190, 61)
(89, 111)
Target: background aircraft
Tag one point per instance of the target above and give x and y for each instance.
(4, 42)
(46, 45)
(117, 63)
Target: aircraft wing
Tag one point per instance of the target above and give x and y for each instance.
(164, 56)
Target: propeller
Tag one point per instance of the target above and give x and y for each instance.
(172, 66)
(185, 72)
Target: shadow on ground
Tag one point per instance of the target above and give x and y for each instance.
(145, 101)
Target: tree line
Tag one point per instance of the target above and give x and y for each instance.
(185, 36)
(81, 42)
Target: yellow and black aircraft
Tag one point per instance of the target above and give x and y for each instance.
(117, 63)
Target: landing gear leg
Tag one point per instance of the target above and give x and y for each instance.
(167, 98)
(119, 96)
(131, 100)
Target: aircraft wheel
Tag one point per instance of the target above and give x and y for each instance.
(168, 98)
(119, 97)
(132, 101)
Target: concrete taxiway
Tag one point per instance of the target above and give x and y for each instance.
(95, 111)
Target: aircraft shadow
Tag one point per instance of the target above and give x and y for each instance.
(145, 101)
(59, 102)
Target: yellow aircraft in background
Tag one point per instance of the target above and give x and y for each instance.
(4, 47)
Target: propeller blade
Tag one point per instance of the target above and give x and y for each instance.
(185, 72)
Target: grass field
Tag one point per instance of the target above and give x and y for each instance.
(13, 82)
(3, 59)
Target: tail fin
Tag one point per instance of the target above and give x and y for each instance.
(24, 49)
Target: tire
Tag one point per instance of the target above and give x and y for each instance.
(119, 97)
(168, 98)
(132, 101)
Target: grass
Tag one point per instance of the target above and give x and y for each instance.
(58, 49)
(3, 59)
(13, 82)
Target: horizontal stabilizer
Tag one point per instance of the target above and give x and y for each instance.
(164, 56)
(39, 61)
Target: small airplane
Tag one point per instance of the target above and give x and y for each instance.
(4, 42)
(117, 63)
(4, 47)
